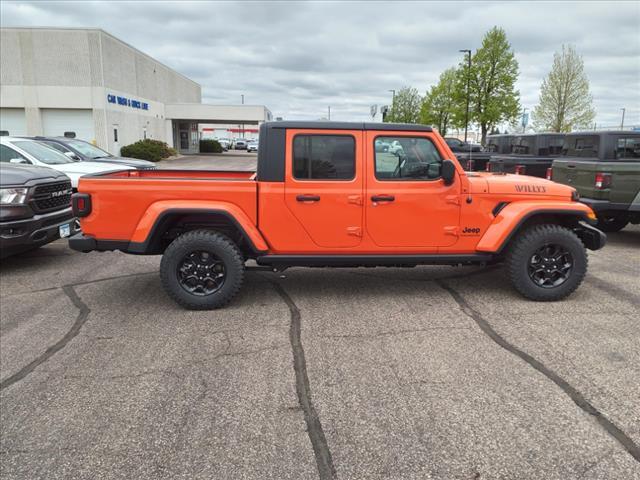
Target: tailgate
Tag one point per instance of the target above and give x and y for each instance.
(579, 174)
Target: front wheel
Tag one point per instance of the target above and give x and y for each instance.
(202, 270)
(546, 262)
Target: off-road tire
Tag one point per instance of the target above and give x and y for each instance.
(611, 224)
(527, 243)
(209, 241)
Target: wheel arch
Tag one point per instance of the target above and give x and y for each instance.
(516, 218)
(169, 223)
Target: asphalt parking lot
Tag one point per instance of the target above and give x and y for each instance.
(431, 372)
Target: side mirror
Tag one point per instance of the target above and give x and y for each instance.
(72, 155)
(18, 160)
(448, 172)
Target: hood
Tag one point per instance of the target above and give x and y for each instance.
(511, 184)
(17, 174)
(90, 167)
(131, 162)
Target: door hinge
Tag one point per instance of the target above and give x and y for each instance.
(453, 199)
(355, 199)
(451, 231)
(354, 231)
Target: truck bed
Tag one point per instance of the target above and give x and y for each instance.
(122, 201)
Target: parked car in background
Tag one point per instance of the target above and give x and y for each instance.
(252, 146)
(225, 143)
(35, 207)
(530, 154)
(605, 169)
(240, 145)
(457, 145)
(395, 147)
(381, 146)
(31, 152)
(87, 152)
(477, 160)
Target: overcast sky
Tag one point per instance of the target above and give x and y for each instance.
(298, 58)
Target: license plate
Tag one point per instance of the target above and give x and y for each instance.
(65, 230)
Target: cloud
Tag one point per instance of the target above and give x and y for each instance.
(298, 58)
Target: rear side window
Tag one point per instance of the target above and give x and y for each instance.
(586, 146)
(324, 157)
(408, 158)
(7, 154)
(628, 147)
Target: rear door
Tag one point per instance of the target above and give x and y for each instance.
(324, 185)
(407, 203)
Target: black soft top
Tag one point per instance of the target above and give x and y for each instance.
(327, 125)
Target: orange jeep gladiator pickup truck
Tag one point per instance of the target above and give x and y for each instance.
(324, 196)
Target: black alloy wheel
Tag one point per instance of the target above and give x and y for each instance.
(201, 273)
(550, 266)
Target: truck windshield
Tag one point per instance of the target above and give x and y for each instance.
(43, 153)
(87, 149)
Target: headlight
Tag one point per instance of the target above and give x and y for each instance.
(13, 196)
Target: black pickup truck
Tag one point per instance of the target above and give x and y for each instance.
(35, 207)
(477, 160)
(530, 154)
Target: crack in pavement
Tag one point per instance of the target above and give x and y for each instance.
(81, 319)
(324, 461)
(613, 290)
(578, 398)
(77, 284)
(391, 333)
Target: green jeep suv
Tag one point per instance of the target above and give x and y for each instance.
(604, 167)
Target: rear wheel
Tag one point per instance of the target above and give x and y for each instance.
(546, 262)
(611, 224)
(202, 270)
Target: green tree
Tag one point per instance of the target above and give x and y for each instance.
(565, 102)
(405, 107)
(440, 107)
(492, 79)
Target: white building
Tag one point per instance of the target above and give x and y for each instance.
(60, 80)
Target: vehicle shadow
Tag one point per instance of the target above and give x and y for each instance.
(43, 256)
(628, 237)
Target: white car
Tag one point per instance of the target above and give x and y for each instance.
(25, 151)
(395, 147)
(252, 146)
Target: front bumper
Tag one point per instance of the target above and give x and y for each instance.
(592, 238)
(20, 235)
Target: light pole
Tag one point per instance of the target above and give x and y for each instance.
(524, 112)
(329, 111)
(466, 117)
(242, 99)
(622, 123)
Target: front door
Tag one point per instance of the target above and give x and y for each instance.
(324, 185)
(407, 203)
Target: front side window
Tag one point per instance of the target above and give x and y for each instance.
(628, 147)
(324, 157)
(42, 152)
(410, 158)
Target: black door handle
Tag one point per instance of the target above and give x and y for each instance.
(383, 198)
(308, 198)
